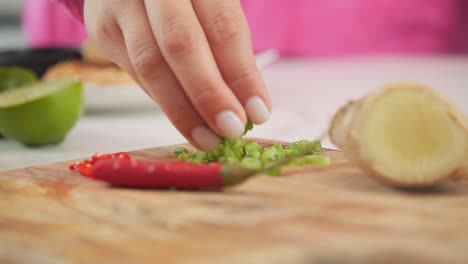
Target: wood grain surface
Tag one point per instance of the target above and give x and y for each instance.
(325, 215)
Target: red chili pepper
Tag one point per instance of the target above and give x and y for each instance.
(125, 172)
(147, 174)
(84, 167)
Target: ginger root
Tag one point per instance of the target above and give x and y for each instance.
(404, 134)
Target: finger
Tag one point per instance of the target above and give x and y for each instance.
(105, 32)
(158, 79)
(185, 48)
(228, 33)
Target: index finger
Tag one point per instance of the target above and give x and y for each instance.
(185, 48)
(228, 34)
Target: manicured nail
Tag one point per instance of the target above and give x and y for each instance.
(230, 124)
(256, 110)
(207, 140)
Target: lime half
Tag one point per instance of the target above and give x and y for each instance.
(14, 77)
(42, 113)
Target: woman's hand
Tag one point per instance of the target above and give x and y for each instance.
(194, 58)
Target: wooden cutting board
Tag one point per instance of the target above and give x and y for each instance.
(327, 215)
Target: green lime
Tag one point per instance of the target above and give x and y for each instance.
(41, 113)
(14, 77)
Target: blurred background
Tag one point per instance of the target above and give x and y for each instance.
(10, 24)
(331, 52)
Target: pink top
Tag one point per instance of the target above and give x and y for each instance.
(347, 27)
(340, 27)
(48, 24)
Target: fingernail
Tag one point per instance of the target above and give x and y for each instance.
(256, 110)
(204, 137)
(230, 124)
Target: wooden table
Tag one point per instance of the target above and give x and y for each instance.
(332, 214)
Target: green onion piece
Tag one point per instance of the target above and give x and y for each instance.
(230, 160)
(272, 154)
(229, 153)
(303, 144)
(180, 150)
(182, 157)
(212, 157)
(296, 162)
(278, 146)
(253, 154)
(233, 142)
(288, 152)
(317, 160)
(251, 163)
(252, 149)
(248, 127)
(317, 147)
(237, 148)
(198, 156)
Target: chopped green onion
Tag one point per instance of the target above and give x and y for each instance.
(250, 154)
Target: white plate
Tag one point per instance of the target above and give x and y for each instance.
(116, 98)
(127, 98)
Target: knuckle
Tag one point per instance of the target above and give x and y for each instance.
(243, 78)
(177, 36)
(224, 26)
(145, 59)
(104, 40)
(206, 95)
(106, 31)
